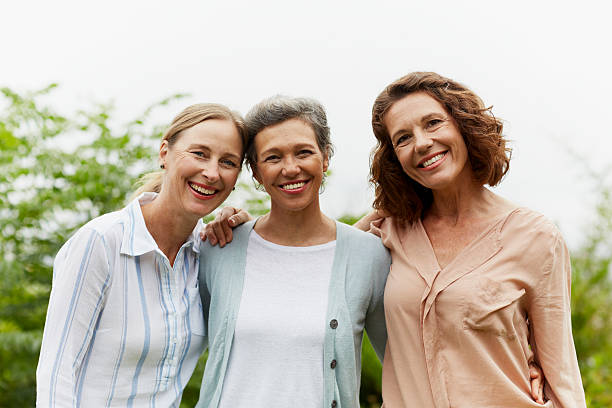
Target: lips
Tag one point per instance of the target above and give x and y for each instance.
(294, 187)
(202, 190)
(432, 160)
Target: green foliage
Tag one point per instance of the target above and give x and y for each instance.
(592, 307)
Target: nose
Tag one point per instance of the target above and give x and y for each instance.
(290, 167)
(422, 142)
(210, 171)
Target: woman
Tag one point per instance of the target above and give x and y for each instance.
(475, 279)
(124, 325)
(287, 302)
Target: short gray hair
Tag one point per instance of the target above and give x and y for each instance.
(279, 108)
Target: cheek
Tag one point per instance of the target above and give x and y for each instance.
(230, 176)
(404, 158)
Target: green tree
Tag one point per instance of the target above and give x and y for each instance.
(592, 306)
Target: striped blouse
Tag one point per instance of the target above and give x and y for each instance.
(123, 328)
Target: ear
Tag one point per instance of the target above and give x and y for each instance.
(163, 152)
(325, 162)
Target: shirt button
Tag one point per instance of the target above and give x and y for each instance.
(334, 404)
(333, 364)
(333, 324)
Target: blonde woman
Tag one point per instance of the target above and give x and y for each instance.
(124, 324)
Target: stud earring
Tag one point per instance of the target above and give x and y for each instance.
(161, 166)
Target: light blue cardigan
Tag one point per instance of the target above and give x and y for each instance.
(359, 272)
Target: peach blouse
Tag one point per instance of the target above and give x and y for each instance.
(460, 336)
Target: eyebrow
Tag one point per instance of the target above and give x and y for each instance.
(424, 118)
(297, 146)
(204, 147)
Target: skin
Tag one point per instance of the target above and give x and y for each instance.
(420, 129)
(207, 154)
(288, 157)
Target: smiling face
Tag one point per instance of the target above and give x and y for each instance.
(290, 165)
(427, 141)
(202, 166)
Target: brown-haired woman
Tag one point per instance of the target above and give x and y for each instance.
(478, 286)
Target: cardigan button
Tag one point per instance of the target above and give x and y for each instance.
(334, 404)
(333, 324)
(333, 364)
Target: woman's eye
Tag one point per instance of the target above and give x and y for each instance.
(198, 153)
(271, 158)
(229, 163)
(433, 123)
(403, 139)
(304, 153)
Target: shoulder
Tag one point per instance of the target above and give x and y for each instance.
(108, 228)
(214, 253)
(363, 244)
(529, 225)
(531, 234)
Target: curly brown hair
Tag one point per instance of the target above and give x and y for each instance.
(396, 193)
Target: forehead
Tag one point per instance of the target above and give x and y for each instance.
(284, 134)
(218, 134)
(410, 109)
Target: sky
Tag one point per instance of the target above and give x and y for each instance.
(544, 66)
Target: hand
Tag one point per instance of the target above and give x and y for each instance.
(219, 231)
(537, 382)
(364, 223)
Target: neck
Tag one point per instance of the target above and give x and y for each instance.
(169, 227)
(297, 228)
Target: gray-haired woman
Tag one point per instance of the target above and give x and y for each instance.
(287, 302)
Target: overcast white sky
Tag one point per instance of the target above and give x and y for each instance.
(545, 66)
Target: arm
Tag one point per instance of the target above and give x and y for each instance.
(219, 231)
(81, 275)
(375, 324)
(364, 223)
(550, 319)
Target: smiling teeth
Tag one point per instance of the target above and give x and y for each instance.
(201, 189)
(433, 160)
(293, 186)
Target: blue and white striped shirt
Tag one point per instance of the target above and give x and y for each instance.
(123, 328)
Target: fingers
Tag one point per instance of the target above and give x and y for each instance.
(219, 231)
(364, 223)
(537, 383)
(239, 218)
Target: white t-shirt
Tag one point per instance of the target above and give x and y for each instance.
(276, 359)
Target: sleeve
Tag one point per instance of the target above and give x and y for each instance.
(375, 324)
(550, 321)
(204, 291)
(81, 275)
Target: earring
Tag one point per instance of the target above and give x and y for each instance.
(161, 166)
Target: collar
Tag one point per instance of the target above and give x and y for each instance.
(137, 240)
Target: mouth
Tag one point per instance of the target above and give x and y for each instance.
(432, 161)
(295, 186)
(202, 190)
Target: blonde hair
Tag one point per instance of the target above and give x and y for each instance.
(188, 117)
